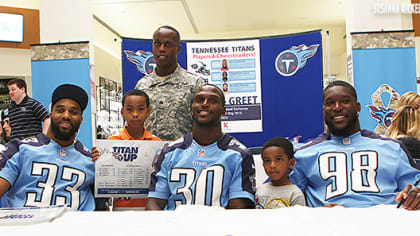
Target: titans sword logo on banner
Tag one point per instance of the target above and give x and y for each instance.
(288, 62)
(144, 61)
(382, 112)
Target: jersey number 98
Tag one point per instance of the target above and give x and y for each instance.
(362, 175)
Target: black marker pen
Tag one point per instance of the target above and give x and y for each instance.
(403, 200)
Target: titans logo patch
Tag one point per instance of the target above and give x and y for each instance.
(383, 111)
(144, 61)
(382, 114)
(288, 62)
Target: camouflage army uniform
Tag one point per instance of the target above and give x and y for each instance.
(170, 102)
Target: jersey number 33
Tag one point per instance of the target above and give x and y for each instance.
(48, 186)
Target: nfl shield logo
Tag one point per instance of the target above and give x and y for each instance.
(62, 153)
(346, 141)
(201, 153)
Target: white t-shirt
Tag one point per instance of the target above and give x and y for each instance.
(270, 197)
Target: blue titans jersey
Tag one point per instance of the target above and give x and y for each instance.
(42, 173)
(361, 170)
(187, 173)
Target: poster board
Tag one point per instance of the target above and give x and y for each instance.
(291, 104)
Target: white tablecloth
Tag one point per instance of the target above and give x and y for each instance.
(380, 220)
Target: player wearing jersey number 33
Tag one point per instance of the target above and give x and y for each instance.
(52, 169)
(353, 167)
(205, 167)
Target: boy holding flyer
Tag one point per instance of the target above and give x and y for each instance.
(135, 110)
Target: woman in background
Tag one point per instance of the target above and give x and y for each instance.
(4, 140)
(410, 99)
(405, 127)
(6, 129)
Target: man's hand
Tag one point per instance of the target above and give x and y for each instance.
(240, 203)
(4, 186)
(95, 154)
(155, 204)
(411, 197)
(331, 205)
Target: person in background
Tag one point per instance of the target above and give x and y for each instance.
(352, 167)
(135, 110)
(3, 142)
(224, 76)
(278, 161)
(224, 65)
(225, 87)
(25, 113)
(5, 125)
(205, 167)
(1, 130)
(170, 88)
(5, 138)
(51, 169)
(405, 127)
(410, 99)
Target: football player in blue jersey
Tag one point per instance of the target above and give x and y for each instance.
(51, 169)
(205, 167)
(352, 167)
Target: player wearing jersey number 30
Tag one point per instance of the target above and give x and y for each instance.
(353, 167)
(205, 167)
(52, 169)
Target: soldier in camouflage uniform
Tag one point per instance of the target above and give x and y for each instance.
(171, 88)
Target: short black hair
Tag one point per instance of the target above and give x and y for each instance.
(282, 143)
(136, 92)
(170, 28)
(339, 83)
(219, 91)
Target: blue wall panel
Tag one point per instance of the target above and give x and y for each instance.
(374, 67)
(48, 74)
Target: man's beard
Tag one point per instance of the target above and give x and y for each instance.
(65, 136)
(345, 131)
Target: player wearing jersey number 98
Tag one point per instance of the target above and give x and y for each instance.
(349, 166)
(205, 167)
(52, 169)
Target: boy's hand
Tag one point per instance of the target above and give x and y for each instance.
(95, 154)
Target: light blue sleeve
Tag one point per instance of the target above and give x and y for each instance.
(162, 185)
(406, 174)
(296, 176)
(241, 178)
(11, 170)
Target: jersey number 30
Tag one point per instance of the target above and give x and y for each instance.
(362, 176)
(201, 184)
(48, 186)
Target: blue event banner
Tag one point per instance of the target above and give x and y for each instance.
(381, 76)
(291, 83)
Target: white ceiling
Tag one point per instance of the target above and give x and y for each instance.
(134, 18)
(214, 19)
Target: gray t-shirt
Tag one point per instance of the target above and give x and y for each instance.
(270, 197)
